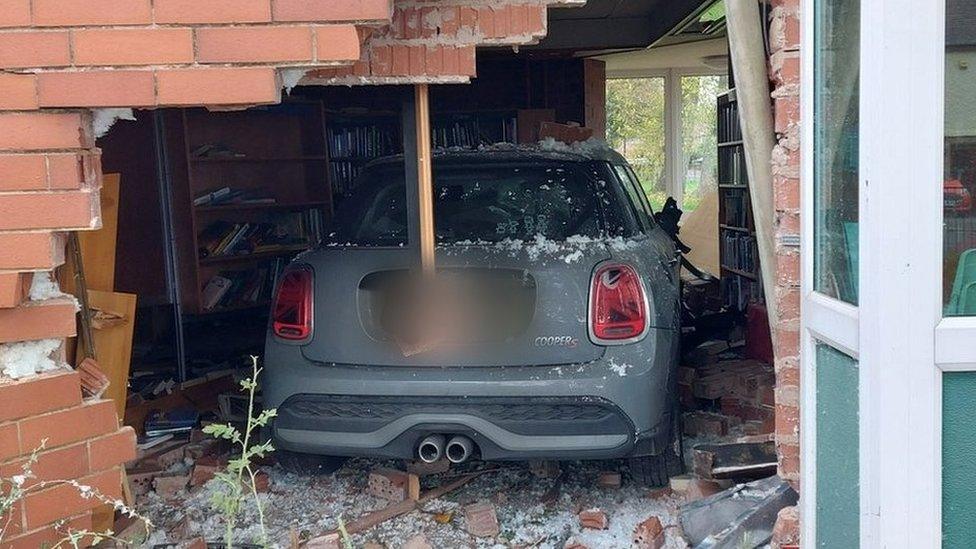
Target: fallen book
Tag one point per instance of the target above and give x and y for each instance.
(180, 420)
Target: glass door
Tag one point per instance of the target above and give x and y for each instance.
(830, 369)
(955, 339)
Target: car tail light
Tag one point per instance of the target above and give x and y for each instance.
(618, 305)
(291, 314)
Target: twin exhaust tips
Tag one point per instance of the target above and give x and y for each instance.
(433, 447)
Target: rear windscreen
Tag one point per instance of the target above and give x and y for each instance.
(474, 203)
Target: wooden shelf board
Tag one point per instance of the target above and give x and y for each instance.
(257, 160)
(236, 308)
(735, 228)
(260, 206)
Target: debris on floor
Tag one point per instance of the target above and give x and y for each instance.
(475, 505)
(742, 516)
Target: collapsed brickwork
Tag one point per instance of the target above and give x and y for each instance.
(66, 63)
(784, 38)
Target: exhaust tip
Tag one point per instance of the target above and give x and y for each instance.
(431, 448)
(459, 449)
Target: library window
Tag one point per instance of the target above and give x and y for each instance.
(699, 160)
(636, 128)
(835, 179)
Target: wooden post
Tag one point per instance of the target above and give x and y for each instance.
(425, 189)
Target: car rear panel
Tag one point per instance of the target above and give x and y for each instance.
(556, 332)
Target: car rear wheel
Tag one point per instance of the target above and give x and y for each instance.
(656, 471)
(308, 464)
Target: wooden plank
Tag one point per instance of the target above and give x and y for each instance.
(425, 178)
(98, 247)
(113, 344)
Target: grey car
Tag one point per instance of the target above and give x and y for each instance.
(576, 290)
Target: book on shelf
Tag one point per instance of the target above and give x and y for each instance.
(242, 288)
(738, 292)
(739, 251)
(283, 231)
(215, 290)
(228, 195)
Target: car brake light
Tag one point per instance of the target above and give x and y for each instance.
(291, 313)
(618, 305)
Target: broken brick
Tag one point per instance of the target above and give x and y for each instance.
(573, 543)
(706, 423)
(141, 480)
(202, 474)
(609, 479)
(168, 486)
(421, 469)
(195, 543)
(695, 488)
(392, 485)
(786, 531)
(328, 541)
(594, 519)
(481, 520)
(660, 493)
(649, 534)
(262, 482)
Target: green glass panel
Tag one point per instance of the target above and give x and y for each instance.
(958, 460)
(838, 500)
(836, 75)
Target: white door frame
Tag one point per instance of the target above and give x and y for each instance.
(898, 334)
(823, 319)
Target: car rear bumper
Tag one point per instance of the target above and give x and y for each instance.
(502, 428)
(581, 411)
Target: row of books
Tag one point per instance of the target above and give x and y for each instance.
(233, 289)
(281, 231)
(739, 291)
(732, 166)
(739, 251)
(736, 208)
(370, 141)
(729, 128)
(343, 174)
(474, 132)
(228, 195)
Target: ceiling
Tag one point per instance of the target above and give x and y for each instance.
(614, 25)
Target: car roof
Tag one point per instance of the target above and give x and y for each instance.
(547, 150)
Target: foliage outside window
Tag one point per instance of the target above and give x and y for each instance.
(635, 128)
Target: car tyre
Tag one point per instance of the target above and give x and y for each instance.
(655, 471)
(308, 464)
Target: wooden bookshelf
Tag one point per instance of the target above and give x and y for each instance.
(738, 252)
(274, 163)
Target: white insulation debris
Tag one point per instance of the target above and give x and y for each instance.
(43, 286)
(104, 119)
(25, 358)
(291, 77)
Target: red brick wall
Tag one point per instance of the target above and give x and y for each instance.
(784, 39)
(59, 59)
(81, 441)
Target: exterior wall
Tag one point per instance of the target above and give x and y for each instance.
(60, 59)
(784, 37)
(81, 442)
